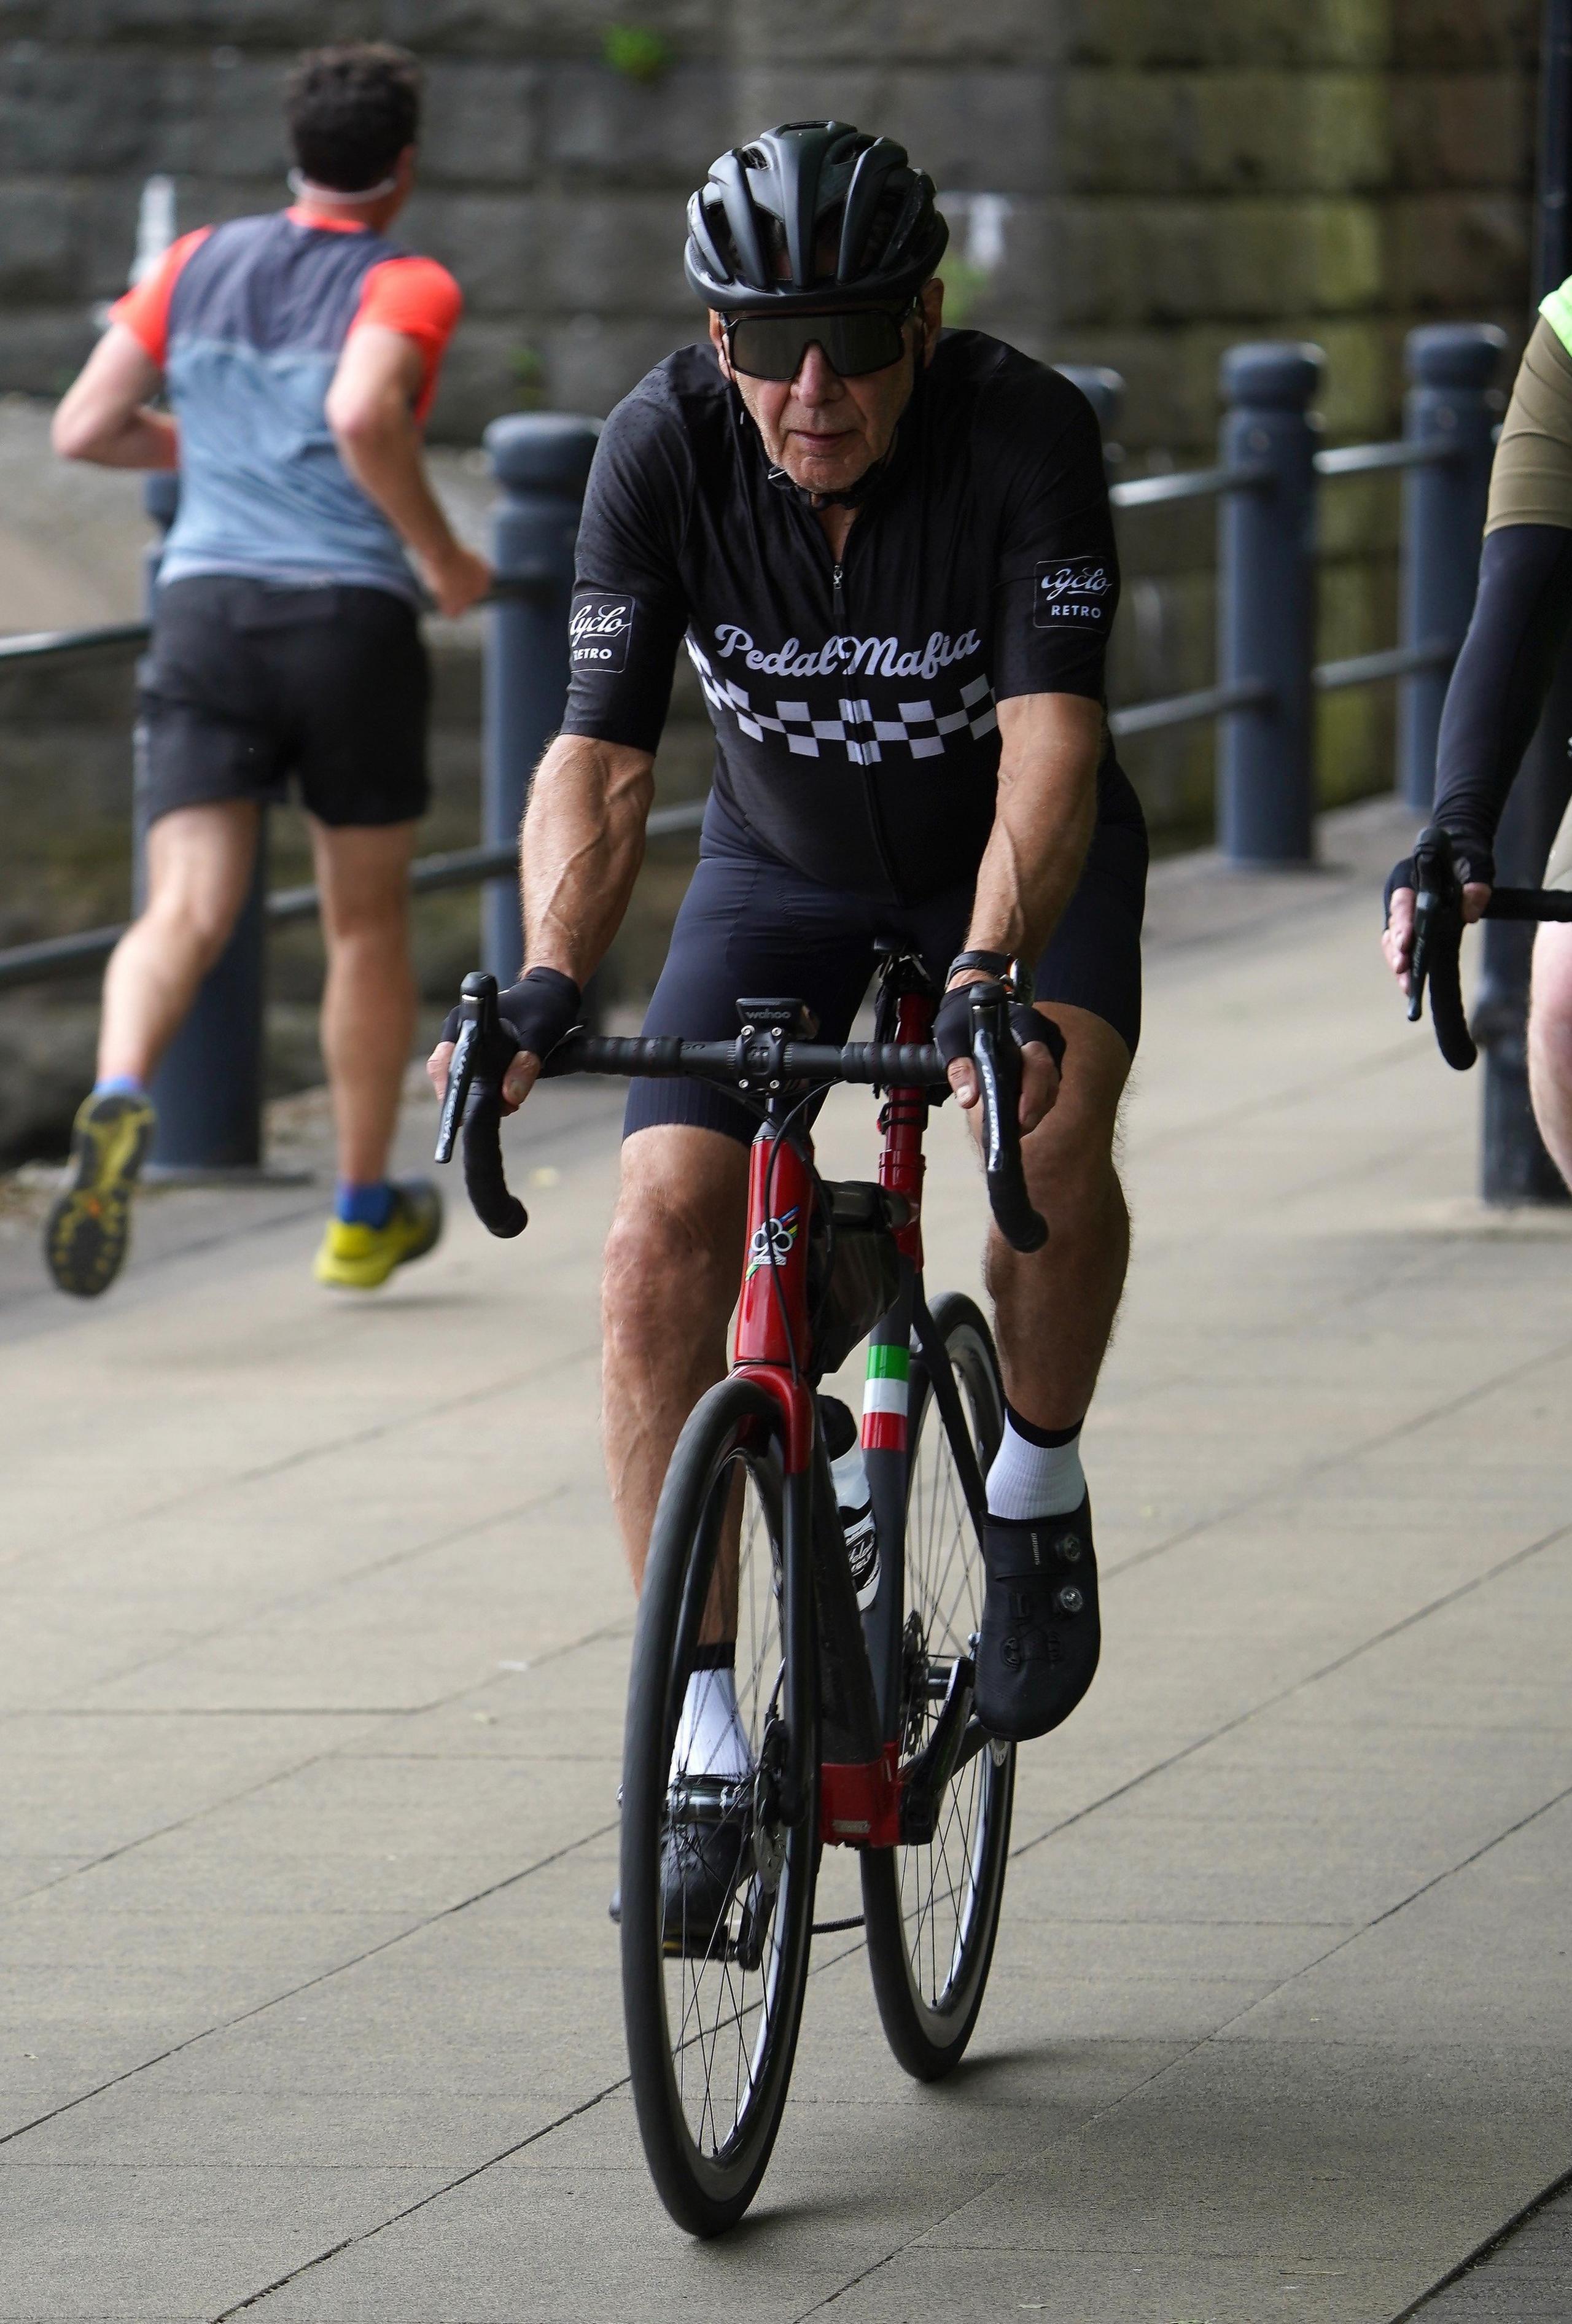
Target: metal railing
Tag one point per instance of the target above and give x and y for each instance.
(1265, 484)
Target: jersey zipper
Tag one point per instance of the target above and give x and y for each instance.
(875, 820)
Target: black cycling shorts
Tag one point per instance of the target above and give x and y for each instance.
(749, 923)
(248, 683)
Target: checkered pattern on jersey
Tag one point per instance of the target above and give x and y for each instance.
(921, 728)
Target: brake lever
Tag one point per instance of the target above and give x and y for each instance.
(998, 1060)
(481, 1029)
(482, 1053)
(1438, 951)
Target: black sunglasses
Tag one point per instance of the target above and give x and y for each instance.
(861, 340)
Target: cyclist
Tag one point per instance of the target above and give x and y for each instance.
(1519, 623)
(299, 352)
(889, 551)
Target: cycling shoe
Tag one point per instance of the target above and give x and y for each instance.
(702, 1866)
(1041, 1636)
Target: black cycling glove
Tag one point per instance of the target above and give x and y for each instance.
(952, 1027)
(536, 1013)
(1474, 862)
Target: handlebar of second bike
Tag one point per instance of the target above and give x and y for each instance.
(756, 1062)
(1437, 952)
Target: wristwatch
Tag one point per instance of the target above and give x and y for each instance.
(1011, 973)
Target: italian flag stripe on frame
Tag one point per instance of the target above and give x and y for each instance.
(884, 1396)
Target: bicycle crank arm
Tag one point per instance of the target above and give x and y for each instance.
(940, 1756)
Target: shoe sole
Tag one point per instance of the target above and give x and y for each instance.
(88, 1230)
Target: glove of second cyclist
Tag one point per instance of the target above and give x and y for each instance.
(952, 1027)
(536, 1013)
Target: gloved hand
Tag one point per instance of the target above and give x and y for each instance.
(536, 1013)
(952, 1027)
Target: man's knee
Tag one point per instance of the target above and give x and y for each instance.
(671, 1256)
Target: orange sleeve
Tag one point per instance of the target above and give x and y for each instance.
(145, 311)
(421, 299)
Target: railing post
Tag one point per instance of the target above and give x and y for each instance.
(207, 1089)
(541, 461)
(1266, 614)
(1452, 367)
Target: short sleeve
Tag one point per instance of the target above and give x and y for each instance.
(1057, 582)
(145, 311)
(420, 298)
(630, 609)
(1530, 477)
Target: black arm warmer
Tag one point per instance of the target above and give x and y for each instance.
(1519, 623)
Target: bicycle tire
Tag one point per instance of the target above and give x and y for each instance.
(929, 2005)
(730, 2052)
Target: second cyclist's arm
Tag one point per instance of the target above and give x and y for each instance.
(582, 844)
(1523, 609)
(1042, 823)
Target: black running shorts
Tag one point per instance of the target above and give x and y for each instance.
(749, 923)
(248, 683)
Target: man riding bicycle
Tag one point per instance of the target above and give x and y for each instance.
(889, 552)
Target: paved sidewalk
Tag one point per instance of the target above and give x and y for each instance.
(313, 1641)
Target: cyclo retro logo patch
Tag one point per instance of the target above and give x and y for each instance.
(772, 1243)
(599, 629)
(1076, 591)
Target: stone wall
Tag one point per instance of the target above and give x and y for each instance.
(1143, 181)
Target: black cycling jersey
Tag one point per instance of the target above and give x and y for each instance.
(854, 705)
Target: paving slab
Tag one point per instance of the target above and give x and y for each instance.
(312, 1652)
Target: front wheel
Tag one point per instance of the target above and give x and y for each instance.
(718, 1878)
(932, 1908)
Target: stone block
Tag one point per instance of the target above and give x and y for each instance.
(480, 123)
(494, 245)
(1223, 131)
(625, 133)
(591, 363)
(246, 137)
(1166, 34)
(1453, 253)
(1248, 259)
(252, 23)
(826, 34)
(41, 242)
(1467, 32)
(548, 27)
(43, 348)
(980, 132)
(491, 367)
(617, 253)
(1455, 129)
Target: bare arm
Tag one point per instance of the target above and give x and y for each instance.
(581, 849)
(104, 415)
(371, 409)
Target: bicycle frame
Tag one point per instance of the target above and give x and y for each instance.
(863, 1801)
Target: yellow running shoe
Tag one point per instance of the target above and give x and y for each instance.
(359, 1257)
(88, 1230)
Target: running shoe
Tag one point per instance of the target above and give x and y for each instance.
(88, 1230)
(355, 1257)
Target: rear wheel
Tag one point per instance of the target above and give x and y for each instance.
(932, 1909)
(714, 1967)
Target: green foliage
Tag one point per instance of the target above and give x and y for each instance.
(636, 52)
(527, 366)
(964, 285)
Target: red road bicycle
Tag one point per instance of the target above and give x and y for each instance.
(853, 1725)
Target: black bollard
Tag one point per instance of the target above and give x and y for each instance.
(541, 461)
(1450, 404)
(1266, 604)
(208, 1088)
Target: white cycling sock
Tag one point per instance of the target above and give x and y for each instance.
(1032, 1478)
(710, 1740)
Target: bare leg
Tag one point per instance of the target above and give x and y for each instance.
(199, 861)
(368, 1001)
(1550, 1041)
(672, 1261)
(1055, 1308)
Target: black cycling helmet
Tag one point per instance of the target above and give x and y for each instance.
(774, 197)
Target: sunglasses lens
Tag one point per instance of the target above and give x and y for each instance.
(772, 346)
